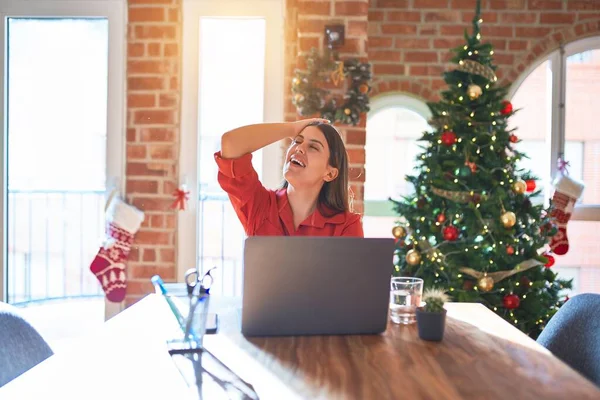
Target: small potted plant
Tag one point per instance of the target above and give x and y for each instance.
(431, 318)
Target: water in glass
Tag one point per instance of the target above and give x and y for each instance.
(405, 297)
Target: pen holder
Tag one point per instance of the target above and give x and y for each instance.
(191, 313)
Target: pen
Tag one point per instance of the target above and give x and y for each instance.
(160, 288)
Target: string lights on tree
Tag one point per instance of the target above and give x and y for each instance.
(473, 225)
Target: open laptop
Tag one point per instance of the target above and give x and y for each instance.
(297, 285)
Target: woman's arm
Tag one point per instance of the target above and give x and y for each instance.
(249, 138)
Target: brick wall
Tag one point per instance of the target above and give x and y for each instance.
(153, 108)
(291, 52)
(311, 18)
(409, 39)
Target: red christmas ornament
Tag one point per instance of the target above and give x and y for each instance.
(450, 233)
(506, 107)
(468, 285)
(550, 261)
(546, 227)
(448, 138)
(475, 198)
(530, 183)
(441, 218)
(511, 301)
(510, 250)
(566, 298)
(513, 138)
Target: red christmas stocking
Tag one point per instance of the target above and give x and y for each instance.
(566, 194)
(123, 221)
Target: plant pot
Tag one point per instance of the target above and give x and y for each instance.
(431, 325)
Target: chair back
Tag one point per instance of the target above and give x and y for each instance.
(573, 335)
(21, 346)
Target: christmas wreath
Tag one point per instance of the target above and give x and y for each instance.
(310, 95)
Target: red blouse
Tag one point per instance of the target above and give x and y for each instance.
(265, 212)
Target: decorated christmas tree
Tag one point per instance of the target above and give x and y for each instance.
(471, 227)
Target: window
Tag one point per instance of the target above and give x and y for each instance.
(61, 99)
(394, 125)
(232, 76)
(570, 76)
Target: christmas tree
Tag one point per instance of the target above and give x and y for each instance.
(471, 227)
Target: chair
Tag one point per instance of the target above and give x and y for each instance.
(21, 346)
(573, 335)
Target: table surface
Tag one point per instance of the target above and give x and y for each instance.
(481, 356)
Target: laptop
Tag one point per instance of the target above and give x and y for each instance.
(298, 285)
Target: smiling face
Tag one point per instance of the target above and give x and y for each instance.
(307, 160)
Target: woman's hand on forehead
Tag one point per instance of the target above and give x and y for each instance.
(303, 123)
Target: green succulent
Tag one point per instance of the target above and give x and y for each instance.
(435, 300)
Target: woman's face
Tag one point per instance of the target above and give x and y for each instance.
(307, 159)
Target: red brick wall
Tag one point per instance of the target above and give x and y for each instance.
(311, 18)
(153, 109)
(409, 41)
(291, 51)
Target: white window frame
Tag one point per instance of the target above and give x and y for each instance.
(383, 208)
(115, 11)
(274, 10)
(558, 60)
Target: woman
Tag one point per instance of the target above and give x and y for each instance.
(313, 200)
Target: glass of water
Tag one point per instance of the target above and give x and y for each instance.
(405, 297)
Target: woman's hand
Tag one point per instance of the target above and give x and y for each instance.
(303, 123)
(250, 138)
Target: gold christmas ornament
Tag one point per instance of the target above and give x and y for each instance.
(413, 257)
(347, 111)
(519, 187)
(398, 232)
(474, 91)
(509, 219)
(364, 88)
(485, 283)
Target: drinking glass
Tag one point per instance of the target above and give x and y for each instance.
(405, 297)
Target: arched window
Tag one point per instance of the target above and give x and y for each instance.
(394, 125)
(559, 103)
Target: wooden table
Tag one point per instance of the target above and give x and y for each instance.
(481, 357)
